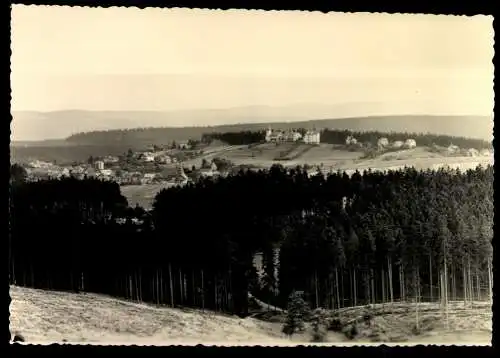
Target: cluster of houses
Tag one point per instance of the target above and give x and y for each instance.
(173, 174)
(383, 143)
(108, 168)
(310, 137)
(471, 152)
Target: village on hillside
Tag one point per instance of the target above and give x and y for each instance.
(182, 162)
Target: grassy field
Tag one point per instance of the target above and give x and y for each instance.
(45, 317)
(142, 194)
(327, 154)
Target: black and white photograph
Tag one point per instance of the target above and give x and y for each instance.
(244, 177)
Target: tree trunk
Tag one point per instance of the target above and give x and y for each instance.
(401, 289)
(136, 283)
(469, 280)
(202, 291)
(351, 288)
(162, 297)
(389, 268)
(490, 281)
(417, 283)
(171, 285)
(464, 283)
(181, 288)
(454, 284)
(316, 288)
(478, 285)
(337, 287)
(342, 301)
(372, 285)
(140, 285)
(157, 286)
(431, 287)
(382, 275)
(446, 288)
(131, 294)
(215, 293)
(185, 285)
(355, 290)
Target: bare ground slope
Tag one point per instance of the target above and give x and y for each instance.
(46, 317)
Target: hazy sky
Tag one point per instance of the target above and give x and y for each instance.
(154, 59)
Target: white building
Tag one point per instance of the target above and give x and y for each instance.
(350, 140)
(397, 144)
(453, 148)
(106, 172)
(111, 159)
(184, 145)
(293, 136)
(65, 172)
(472, 152)
(312, 137)
(410, 143)
(147, 157)
(99, 165)
(485, 152)
(383, 142)
(163, 159)
(273, 136)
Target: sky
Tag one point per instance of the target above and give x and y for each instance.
(180, 59)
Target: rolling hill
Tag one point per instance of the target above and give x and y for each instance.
(45, 317)
(113, 132)
(99, 127)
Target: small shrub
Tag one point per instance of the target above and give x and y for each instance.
(354, 330)
(318, 326)
(415, 330)
(367, 318)
(335, 325)
(351, 331)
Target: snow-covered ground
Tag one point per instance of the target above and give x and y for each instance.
(45, 317)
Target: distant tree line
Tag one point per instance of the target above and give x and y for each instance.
(370, 138)
(342, 240)
(236, 138)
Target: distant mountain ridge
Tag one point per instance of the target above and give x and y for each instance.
(114, 127)
(40, 126)
(460, 126)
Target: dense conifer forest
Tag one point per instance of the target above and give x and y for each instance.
(343, 240)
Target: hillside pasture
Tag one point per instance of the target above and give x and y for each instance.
(143, 195)
(329, 155)
(46, 317)
(462, 163)
(408, 154)
(263, 155)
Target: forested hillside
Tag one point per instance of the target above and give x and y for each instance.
(371, 237)
(337, 136)
(458, 126)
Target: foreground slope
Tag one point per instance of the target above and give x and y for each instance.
(48, 317)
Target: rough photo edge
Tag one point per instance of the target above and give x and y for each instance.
(121, 4)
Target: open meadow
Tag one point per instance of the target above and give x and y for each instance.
(44, 317)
